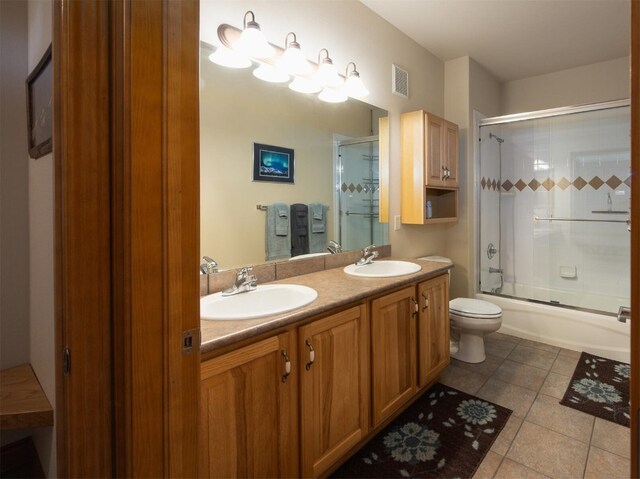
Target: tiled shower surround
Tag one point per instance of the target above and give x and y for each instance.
(571, 166)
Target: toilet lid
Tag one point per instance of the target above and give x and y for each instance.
(474, 308)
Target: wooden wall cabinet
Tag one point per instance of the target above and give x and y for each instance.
(433, 329)
(334, 388)
(249, 415)
(393, 352)
(429, 168)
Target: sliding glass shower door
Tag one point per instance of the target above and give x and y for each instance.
(554, 206)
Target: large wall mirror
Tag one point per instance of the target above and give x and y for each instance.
(336, 153)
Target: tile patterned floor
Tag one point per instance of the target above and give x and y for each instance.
(542, 438)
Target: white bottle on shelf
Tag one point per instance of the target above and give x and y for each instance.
(429, 211)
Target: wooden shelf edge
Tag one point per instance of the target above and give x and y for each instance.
(429, 221)
(23, 403)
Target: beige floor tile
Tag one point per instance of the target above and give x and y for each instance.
(564, 365)
(497, 347)
(570, 353)
(604, 465)
(548, 452)
(532, 357)
(612, 437)
(486, 367)
(505, 438)
(505, 337)
(488, 466)
(521, 375)
(512, 470)
(463, 380)
(542, 346)
(555, 385)
(516, 398)
(548, 412)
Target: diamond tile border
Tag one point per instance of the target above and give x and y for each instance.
(548, 184)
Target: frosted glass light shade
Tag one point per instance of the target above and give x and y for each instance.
(354, 86)
(327, 75)
(270, 74)
(305, 85)
(252, 43)
(332, 95)
(228, 58)
(294, 62)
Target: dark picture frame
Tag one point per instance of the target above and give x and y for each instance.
(39, 86)
(273, 163)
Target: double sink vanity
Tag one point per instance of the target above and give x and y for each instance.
(298, 373)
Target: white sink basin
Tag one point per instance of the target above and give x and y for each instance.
(383, 269)
(264, 301)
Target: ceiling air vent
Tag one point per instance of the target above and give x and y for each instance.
(400, 79)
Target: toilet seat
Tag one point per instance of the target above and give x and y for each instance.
(474, 308)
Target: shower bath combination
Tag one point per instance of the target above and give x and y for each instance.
(553, 220)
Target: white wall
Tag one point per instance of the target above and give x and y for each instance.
(41, 249)
(593, 83)
(352, 32)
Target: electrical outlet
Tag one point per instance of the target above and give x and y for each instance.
(396, 222)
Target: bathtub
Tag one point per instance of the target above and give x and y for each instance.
(597, 334)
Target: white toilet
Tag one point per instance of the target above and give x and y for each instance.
(471, 320)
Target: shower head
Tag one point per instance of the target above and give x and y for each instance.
(500, 140)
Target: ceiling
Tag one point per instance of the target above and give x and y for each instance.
(514, 39)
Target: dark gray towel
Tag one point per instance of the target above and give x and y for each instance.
(299, 229)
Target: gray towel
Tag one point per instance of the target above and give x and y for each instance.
(316, 213)
(299, 229)
(277, 237)
(317, 228)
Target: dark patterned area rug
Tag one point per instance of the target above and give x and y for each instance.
(445, 433)
(600, 387)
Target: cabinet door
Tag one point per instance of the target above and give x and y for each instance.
(433, 328)
(248, 414)
(450, 153)
(393, 352)
(433, 148)
(334, 388)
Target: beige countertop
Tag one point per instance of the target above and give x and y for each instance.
(335, 289)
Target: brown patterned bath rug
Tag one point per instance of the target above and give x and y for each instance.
(600, 387)
(445, 433)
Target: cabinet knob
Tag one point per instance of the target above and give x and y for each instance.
(287, 366)
(415, 307)
(312, 354)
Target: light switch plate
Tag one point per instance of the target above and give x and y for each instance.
(396, 222)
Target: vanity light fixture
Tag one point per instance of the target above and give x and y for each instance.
(228, 58)
(354, 86)
(293, 60)
(327, 75)
(271, 74)
(252, 42)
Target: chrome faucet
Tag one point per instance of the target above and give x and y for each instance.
(244, 282)
(368, 255)
(334, 247)
(208, 265)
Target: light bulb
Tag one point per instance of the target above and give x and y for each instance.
(270, 74)
(228, 58)
(327, 75)
(293, 60)
(305, 85)
(332, 95)
(354, 86)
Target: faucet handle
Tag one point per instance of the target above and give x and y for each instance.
(367, 249)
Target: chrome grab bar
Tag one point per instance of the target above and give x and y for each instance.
(588, 220)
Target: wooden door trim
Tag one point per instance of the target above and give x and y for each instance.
(635, 238)
(126, 152)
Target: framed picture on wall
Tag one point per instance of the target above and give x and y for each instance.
(39, 85)
(272, 163)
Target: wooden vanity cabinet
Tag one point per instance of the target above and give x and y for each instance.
(334, 388)
(393, 352)
(429, 167)
(433, 329)
(249, 414)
